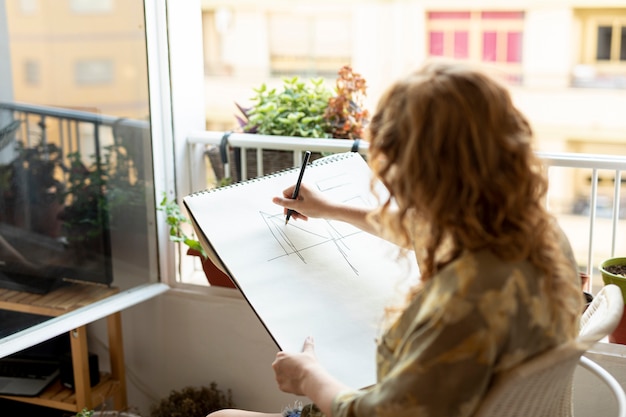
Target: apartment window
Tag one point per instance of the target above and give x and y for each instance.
(91, 6)
(622, 44)
(488, 36)
(449, 34)
(602, 53)
(309, 45)
(32, 72)
(29, 7)
(611, 42)
(93, 72)
(603, 49)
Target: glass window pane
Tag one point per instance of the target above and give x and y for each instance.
(91, 6)
(603, 52)
(90, 72)
(436, 44)
(622, 45)
(461, 45)
(490, 46)
(76, 155)
(514, 47)
(32, 73)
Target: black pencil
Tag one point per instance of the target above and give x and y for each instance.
(296, 190)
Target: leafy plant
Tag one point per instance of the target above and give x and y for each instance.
(309, 110)
(193, 402)
(346, 111)
(98, 192)
(86, 213)
(175, 219)
(93, 413)
(84, 413)
(37, 171)
(32, 187)
(297, 110)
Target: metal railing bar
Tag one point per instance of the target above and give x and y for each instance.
(78, 115)
(246, 140)
(617, 185)
(592, 216)
(580, 160)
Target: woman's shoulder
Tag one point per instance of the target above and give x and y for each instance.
(475, 273)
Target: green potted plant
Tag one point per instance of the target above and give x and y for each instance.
(309, 110)
(85, 215)
(193, 402)
(302, 109)
(104, 193)
(296, 110)
(346, 112)
(613, 271)
(175, 219)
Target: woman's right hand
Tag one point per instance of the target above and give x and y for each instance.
(309, 203)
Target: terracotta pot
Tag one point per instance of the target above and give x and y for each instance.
(214, 275)
(584, 281)
(619, 334)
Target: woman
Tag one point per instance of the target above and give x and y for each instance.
(498, 280)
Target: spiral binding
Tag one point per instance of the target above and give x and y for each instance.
(322, 161)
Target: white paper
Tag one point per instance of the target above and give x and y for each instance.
(325, 279)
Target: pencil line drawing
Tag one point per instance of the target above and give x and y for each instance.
(295, 239)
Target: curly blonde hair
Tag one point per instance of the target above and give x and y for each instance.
(456, 156)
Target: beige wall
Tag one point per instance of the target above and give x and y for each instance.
(389, 40)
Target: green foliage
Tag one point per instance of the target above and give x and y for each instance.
(297, 110)
(346, 111)
(37, 171)
(309, 110)
(192, 402)
(84, 413)
(98, 191)
(175, 219)
(87, 211)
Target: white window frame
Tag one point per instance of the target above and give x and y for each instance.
(175, 65)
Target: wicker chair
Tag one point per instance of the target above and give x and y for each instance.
(542, 387)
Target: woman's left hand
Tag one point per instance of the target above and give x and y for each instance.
(292, 369)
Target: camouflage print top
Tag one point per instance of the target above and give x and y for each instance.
(477, 317)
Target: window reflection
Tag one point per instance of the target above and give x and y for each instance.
(75, 145)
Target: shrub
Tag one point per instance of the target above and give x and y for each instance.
(192, 402)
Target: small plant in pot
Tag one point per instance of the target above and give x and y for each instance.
(613, 271)
(346, 112)
(176, 220)
(193, 402)
(307, 109)
(297, 110)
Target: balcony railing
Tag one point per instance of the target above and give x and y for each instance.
(73, 176)
(591, 214)
(72, 130)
